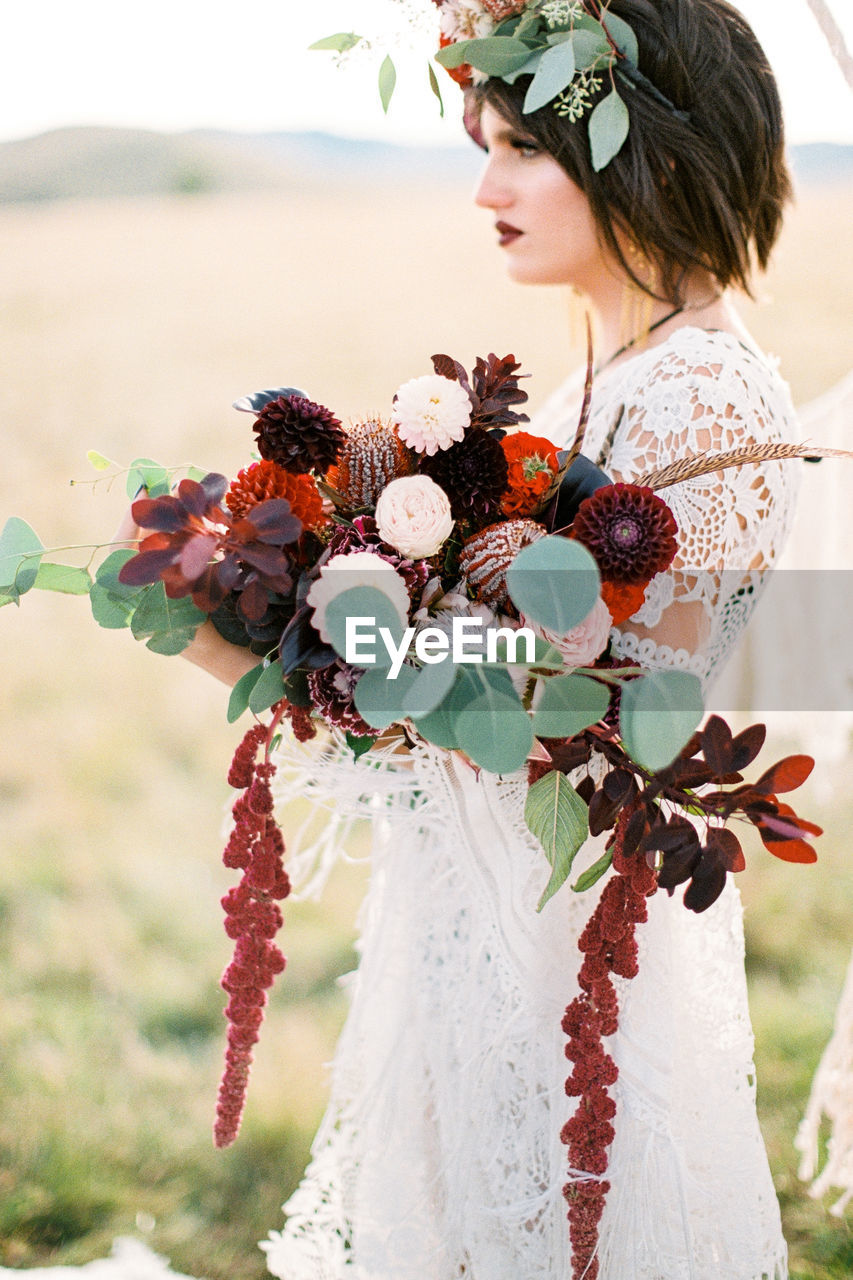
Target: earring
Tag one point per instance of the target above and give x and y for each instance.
(635, 316)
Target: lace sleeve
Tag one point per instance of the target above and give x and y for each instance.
(732, 524)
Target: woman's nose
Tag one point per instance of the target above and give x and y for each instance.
(490, 192)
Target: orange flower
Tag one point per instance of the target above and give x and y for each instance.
(532, 462)
(623, 599)
(263, 480)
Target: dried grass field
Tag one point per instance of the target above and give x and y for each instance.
(130, 327)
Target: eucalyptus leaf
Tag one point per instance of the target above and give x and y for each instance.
(98, 461)
(65, 578)
(555, 73)
(590, 47)
(608, 129)
(569, 704)
(436, 88)
(146, 474)
(529, 69)
(167, 625)
(113, 602)
(494, 55)
(387, 82)
(376, 611)
(558, 818)
(433, 684)
(494, 731)
(593, 874)
(267, 690)
(341, 42)
(439, 727)
(240, 694)
(554, 582)
(379, 698)
(623, 35)
(20, 556)
(658, 714)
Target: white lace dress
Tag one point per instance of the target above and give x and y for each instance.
(439, 1156)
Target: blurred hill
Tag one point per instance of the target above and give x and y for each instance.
(107, 162)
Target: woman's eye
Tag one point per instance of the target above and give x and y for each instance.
(525, 147)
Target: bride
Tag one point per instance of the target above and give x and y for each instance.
(440, 1154)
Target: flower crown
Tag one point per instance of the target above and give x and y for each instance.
(570, 48)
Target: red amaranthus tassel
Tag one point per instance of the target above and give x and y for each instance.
(252, 919)
(610, 947)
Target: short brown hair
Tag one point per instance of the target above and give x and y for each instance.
(706, 191)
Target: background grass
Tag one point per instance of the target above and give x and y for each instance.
(129, 327)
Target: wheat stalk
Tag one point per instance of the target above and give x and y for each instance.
(704, 464)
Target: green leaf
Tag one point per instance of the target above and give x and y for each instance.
(554, 582)
(387, 82)
(657, 716)
(439, 727)
(267, 690)
(373, 605)
(342, 42)
(146, 474)
(530, 67)
(433, 684)
(359, 746)
(593, 874)
(113, 602)
(98, 461)
(494, 731)
(569, 704)
(608, 129)
(240, 694)
(494, 55)
(556, 71)
(436, 88)
(167, 625)
(590, 46)
(624, 37)
(66, 578)
(558, 818)
(379, 699)
(20, 556)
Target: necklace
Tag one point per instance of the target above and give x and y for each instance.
(640, 337)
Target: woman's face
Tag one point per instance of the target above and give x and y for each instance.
(543, 219)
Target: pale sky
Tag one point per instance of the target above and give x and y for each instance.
(182, 64)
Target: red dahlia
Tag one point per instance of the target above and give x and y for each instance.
(473, 473)
(263, 480)
(298, 434)
(630, 531)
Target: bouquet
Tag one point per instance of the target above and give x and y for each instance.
(443, 575)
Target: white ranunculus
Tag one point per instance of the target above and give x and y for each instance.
(585, 642)
(431, 413)
(413, 514)
(465, 20)
(356, 569)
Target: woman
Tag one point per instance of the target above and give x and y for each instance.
(440, 1155)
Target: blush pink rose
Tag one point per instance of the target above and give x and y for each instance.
(413, 515)
(585, 642)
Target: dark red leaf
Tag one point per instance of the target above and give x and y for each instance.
(618, 785)
(716, 738)
(678, 866)
(193, 497)
(677, 833)
(197, 554)
(447, 367)
(602, 813)
(709, 881)
(147, 566)
(253, 601)
(166, 514)
(273, 522)
(586, 789)
(787, 775)
(634, 832)
(727, 845)
(791, 850)
(268, 559)
(747, 745)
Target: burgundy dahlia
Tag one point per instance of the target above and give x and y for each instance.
(331, 692)
(298, 434)
(473, 473)
(630, 531)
